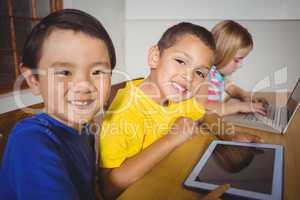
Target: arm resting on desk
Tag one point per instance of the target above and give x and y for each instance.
(228, 108)
(247, 104)
(114, 181)
(236, 92)
(227, 131)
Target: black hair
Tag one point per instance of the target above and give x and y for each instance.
(69, 19)
(171, 35)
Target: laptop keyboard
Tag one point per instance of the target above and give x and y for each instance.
(271, 113)
(272, 117)
(250, 117)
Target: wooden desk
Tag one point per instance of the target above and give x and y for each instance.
(165, 180)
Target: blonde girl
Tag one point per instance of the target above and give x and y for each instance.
(233, 44)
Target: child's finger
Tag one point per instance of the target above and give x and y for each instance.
(263, 101)
(216, 193)
(260, 111)
(256, 139)
(260, 140)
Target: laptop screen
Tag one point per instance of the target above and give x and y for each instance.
(293, 100)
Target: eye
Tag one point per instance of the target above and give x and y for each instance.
(104, 72)
(97, 72)
(237, 60)
(63, 72)
(179, 61)
(200, 73)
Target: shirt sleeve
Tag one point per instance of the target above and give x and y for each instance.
(36, 169)
(191, 108)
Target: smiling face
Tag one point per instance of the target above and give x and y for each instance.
(236, 62)
(75, 76)
(177, 69)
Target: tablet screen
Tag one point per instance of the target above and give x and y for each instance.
(247, 168)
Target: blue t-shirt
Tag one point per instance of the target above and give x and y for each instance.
(47, 160)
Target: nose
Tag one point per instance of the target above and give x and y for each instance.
(82, 84)
(187, 74)
(239, 64)
(83, 87)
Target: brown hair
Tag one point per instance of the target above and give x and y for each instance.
(171, 35)
(229, 37)
(67, 19)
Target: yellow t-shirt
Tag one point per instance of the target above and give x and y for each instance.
(134, 121)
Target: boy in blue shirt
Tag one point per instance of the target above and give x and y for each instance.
(67, 58)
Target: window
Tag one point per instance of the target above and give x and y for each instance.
(17, 17)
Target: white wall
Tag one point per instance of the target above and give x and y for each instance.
(274, 24)
(212, 9)
(276, 45)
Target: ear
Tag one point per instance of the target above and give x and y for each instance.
(31, 79)
(153, 57)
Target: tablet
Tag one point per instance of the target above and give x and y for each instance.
(254, 171)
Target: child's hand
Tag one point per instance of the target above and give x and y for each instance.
(261, 100)
(182, 129)
(249, 107)
(216, 193)
(241, 137)
(257, 100)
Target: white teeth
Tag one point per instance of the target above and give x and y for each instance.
(179, 87)
(80, 103)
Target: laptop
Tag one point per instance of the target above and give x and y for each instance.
(277, 119)
(254, 171)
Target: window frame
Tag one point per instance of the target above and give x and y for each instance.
(12, 51)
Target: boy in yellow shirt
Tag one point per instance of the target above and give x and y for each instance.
(152, 116)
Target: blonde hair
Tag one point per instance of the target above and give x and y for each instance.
(229, 37)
